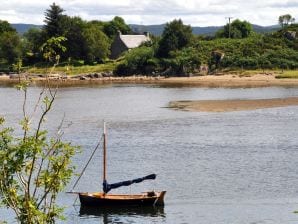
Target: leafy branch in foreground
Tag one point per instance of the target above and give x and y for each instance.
(34, 167)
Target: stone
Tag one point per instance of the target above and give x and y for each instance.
(290, 35)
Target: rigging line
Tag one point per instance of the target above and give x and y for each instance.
(75, 184)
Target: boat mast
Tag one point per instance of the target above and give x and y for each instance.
(104, 153)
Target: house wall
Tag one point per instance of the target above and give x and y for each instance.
(117, 48)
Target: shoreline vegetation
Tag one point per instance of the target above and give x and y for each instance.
(232, 105)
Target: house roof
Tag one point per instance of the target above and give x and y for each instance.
(132, 41)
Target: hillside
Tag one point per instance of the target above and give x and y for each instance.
(208, 30)
(22, 28)
(158, 29)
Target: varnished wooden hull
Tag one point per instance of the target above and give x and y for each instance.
(118, 200)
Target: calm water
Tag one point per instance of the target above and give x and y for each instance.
(223, 168)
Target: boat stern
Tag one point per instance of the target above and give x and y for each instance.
(160, 198)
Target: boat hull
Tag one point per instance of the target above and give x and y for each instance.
(112, 200)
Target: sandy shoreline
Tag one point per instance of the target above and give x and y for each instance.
(232, 105)
(227, 80)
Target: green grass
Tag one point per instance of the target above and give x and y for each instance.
(279, 74)
(288, 74)
(75, 70)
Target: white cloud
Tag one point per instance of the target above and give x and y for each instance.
(195, 12)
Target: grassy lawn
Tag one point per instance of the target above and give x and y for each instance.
(75, 70)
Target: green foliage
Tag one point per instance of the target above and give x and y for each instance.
(6, 27)
(257, 51)
(137, 61)
(85, 40)
(96, 44)
(182, 62)
(73, 29)
(285, 20)
(10, 48)
(288, 74)
(237, 29)
(117, 24)
(52, 48)
(35, 167)
(53, 21)
(33, 170)
(32, 40)
(175, 36)
(89, 43)
(76, 68)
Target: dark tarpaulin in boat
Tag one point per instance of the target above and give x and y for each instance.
(107, 187)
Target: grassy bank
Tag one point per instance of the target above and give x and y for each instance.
(291, 74)
(279, 74)
(74, 70)
(110, 66)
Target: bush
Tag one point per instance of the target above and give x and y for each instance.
(137, 61)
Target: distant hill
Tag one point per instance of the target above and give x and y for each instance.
(22, 28)
(208, 30)
(265, 29)
(158, 29)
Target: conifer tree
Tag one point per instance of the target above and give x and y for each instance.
(53, 21)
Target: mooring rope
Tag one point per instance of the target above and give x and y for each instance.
(75, 184)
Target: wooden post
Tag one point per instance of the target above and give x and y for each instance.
(104, 153)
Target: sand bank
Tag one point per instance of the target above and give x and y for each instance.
(232, 105)
(229, 80)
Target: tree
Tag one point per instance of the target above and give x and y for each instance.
(53, 21)
(175, 36)
(32, 40)
(97, 44)
(239, 29)
(5, 27)
(10, 47)
(34, 167)
(117, 24)
(74, 32)
(285, 20)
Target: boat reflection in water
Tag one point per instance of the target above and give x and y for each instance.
(109, 214)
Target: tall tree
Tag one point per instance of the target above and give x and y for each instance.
(53, 21)
(10, 44)
(285, 20)
(237, 29)
(175, 36)
(96, 43)
(73, 30)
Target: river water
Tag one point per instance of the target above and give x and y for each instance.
(224, 168)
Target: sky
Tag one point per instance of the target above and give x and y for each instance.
(149, 12)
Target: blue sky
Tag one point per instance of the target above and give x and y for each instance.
(194, 12)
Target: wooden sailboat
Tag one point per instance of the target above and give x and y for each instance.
(151, 198)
